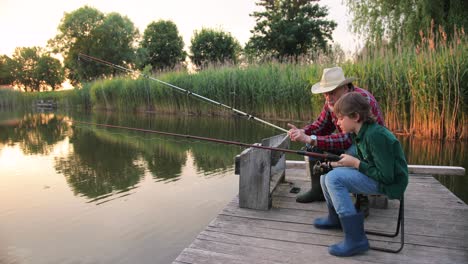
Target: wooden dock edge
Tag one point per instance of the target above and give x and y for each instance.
(413, 169)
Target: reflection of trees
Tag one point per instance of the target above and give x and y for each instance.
(165, 154)
(35, 133)
(165, 164)
(210, 157)
(164, 157)
(98, 167)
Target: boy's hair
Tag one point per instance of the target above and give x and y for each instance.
(353, 103)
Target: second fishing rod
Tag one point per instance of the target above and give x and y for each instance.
(118, 67)
(326, 156)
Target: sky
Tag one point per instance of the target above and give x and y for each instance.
(27, 23)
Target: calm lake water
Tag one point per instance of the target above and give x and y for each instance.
(81, 194)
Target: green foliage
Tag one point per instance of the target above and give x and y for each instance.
(213, 46)
(289, 28)
(9, 99)
(162, 46)
(87, 30)
(34, 70)
(6, 70)
(422, 90)
(400, 21)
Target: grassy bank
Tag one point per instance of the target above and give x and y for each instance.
(422, 90)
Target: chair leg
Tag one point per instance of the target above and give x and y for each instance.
(400, 222)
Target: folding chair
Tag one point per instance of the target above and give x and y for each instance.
(400, 224)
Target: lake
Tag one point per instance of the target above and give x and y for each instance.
(73, 193)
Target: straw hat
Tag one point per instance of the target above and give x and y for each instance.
(331, 79)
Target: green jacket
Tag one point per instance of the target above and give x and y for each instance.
(382, 159)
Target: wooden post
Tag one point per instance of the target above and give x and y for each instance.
(260, 171)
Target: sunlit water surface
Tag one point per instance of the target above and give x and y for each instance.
(82, 194)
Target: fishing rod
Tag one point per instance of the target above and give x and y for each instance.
(328, 157)
(115, 66)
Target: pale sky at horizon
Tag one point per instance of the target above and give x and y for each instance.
(27, 23)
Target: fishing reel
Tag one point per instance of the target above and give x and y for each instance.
(321, 168)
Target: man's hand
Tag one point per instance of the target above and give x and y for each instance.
(347, 161)
(297, 134)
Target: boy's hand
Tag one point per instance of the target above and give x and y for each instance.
(346, 161)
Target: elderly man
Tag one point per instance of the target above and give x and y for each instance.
(319, 136)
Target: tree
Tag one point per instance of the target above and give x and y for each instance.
(89, 31)
(35, 70)
(6, 70)
(289, 28)
(50, 71)
(401, 21)
(213, 46)
(162, 46)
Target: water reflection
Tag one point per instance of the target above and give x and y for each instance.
(35, 133)
(101, 163)
(97, 166)
(443, 153)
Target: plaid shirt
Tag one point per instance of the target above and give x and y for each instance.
(326, 124)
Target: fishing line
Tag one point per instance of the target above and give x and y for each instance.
(187, 92)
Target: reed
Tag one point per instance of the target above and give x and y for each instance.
(271, 90)
(422, 90)
(9, 99)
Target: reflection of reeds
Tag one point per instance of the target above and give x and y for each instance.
(440, 153)
(434, 152)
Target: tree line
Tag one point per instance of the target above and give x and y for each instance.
(284, 30)
(298, 27)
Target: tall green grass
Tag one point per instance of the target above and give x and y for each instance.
(422, 90)
(65, 98)
(10, 99)
(270, 90)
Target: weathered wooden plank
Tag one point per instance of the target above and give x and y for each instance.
(254, 179)
(432, 227)
(270, 251)
(278, 159)
(413, 169)
(452, 215)
(260, 171)
(278, 141)
(277, 230)
(436, 230)
(304, 250)
(436, 170)
(193, 255)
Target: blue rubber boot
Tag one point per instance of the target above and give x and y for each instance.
(332, 221)
(355, 241)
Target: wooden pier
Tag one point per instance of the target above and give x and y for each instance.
(436, 227)
(45, 104)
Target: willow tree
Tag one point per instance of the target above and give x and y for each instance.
(290, 28)
(401, 21)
